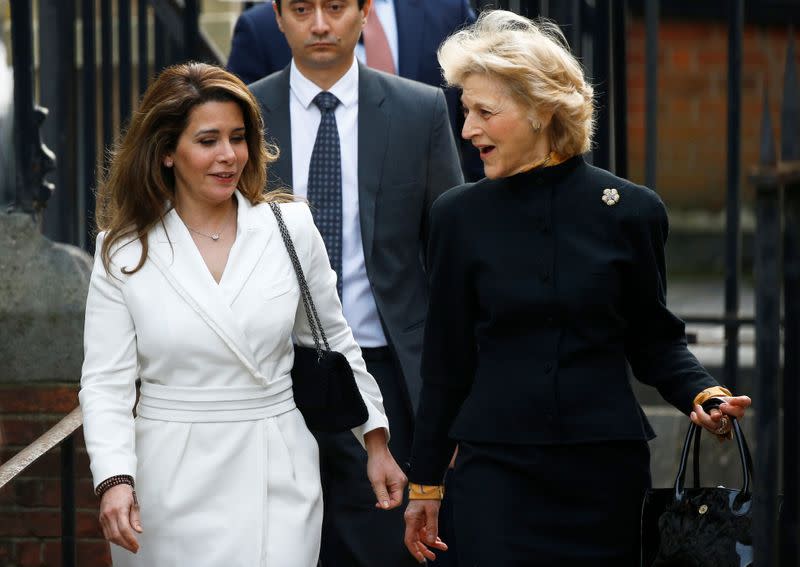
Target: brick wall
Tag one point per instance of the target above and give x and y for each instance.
(30, 516)
(692, 106)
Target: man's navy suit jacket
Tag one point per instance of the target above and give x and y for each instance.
(259, 48)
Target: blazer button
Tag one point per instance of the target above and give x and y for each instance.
(548, 368)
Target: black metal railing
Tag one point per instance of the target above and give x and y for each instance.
(790, 161)
(766, 267)
(730, 369)
(777, 269)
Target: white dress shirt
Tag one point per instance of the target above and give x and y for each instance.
(384, 9)
(358, 303)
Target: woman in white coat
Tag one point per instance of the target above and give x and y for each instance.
(193, 294)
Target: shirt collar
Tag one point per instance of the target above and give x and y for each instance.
(345, 89)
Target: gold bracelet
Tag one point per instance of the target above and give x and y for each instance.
(725, 431)
(713, 392)
(425, 491)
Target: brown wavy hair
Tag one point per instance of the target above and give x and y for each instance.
(136, 189)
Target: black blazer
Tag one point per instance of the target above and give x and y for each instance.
(541, 295)
(406, 159)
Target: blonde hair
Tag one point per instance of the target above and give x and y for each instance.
(532, 59)
(135, 190)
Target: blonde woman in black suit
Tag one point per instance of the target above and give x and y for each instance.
(547, 280)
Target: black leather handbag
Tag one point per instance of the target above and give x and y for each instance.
(325, 389)
(699, 527)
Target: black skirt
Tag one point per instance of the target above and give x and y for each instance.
(563, 505)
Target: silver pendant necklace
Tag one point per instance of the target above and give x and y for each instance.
(215, 236)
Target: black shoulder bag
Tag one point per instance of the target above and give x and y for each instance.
(325, 389)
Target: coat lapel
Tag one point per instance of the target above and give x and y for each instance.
(410, 26)
(373, 133)
(252, 239)
(274, 101)
(175, 255)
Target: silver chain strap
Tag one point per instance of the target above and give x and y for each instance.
(311, 311)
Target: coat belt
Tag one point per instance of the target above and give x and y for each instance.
(208, 405)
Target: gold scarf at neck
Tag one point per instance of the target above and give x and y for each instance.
(549, 160)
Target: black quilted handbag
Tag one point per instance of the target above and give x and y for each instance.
(325, 389)
(699, 527)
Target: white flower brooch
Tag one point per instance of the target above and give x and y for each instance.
(610, 197)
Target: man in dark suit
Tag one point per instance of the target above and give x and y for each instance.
(371, 151)
(420, 26)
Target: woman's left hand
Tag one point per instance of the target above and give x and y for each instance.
(386, 477)
(716, 420)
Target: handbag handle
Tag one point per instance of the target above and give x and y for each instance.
(696, 455)
(708, 405)
(308, 303)
(694, 435)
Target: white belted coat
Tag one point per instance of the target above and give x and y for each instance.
(227, 474)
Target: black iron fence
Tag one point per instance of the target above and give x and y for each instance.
(777, 267)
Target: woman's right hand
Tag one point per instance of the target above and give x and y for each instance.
(119, 517)
(422, 529)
